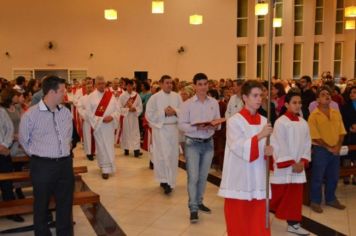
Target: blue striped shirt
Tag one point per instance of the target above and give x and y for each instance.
(45, 133)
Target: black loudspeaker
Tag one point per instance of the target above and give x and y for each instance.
(141, 75)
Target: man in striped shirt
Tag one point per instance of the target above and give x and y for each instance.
(45, 133)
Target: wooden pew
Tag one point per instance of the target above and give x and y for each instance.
(23, 206)
(20, 159)
(25, 175)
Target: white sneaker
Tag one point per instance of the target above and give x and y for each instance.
(296, 229)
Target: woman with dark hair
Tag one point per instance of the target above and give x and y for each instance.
(348, 112)
(278, 96)
(263, 108)
(33, 86)
(10, 101)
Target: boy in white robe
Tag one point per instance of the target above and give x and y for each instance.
(102, 110)
(243, 182)
(130, 108)
(292, 144)
(161, 113)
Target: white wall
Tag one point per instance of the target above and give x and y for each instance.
(139, 40)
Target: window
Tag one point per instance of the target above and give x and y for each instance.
(339, 26)
(260, 61)
(242, 6)
(316, 56)
(337, 59)
(297, 59)
(241, 62)
(260, 26)
(279, 14)
(319, 17)
(278, 60)
(298, 17)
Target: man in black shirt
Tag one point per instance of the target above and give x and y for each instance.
(308, 96)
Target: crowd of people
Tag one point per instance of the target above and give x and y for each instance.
(310, 122)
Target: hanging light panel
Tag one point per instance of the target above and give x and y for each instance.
(110, 14)
(157, 7)
(277, 22)
(350, 11)
(196, 19)
(261, 9)
(350, 24)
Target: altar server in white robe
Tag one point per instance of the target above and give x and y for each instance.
(292, 146)
(88, 136)
(162, 111)
(243, 183)
(130, 108)
(103, 116)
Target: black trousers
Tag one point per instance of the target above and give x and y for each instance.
(6, 186)
(52, 178)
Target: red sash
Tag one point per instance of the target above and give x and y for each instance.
(103, 104)
(132, 99)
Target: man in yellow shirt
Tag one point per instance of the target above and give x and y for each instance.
(327, 132)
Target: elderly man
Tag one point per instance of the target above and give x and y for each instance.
(161, 113)
(102, 112)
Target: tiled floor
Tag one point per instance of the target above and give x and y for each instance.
(137, 203)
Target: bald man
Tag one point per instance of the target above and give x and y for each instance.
(102, 111)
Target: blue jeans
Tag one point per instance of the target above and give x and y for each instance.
(199, 156)
(325, 165)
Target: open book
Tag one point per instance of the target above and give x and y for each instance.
(211, 123)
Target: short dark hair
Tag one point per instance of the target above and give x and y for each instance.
(20, 80)
(164, 77)
(307, 78)
(51, 82)
(249, 85)
(322, 88)
(6, 96)
(292, 93)
(199, 76)
(214, 93)
(129, 81)
(146, 85)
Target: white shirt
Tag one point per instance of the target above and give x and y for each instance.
(235, 105)
(243, 177)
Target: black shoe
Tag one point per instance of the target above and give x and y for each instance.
(163, 185)
(105, 176)
(204, 209)
(126, 153)
(90, 157)
(194, 217)
(16, 218)
(167, 189)
(19, 193)
(151, 165)
(137, 153)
